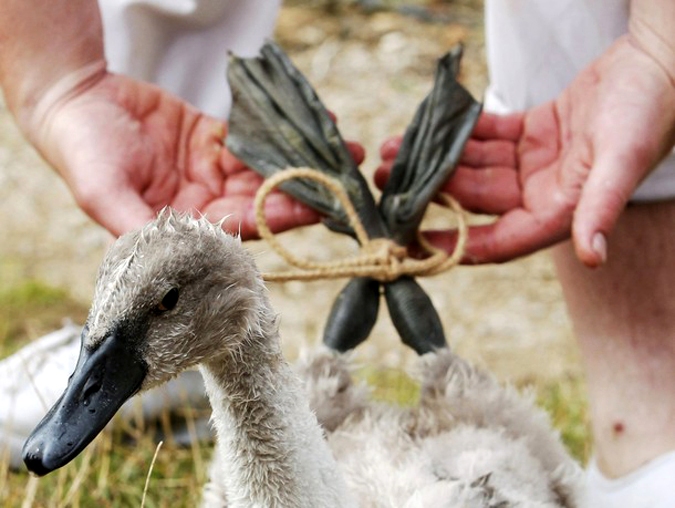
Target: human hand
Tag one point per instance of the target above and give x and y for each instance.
(566, 168)
(127, 149)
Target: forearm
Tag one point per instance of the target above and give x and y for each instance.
(42, 43)
(651, 28)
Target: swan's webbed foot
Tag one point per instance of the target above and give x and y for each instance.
(414, 316)
(353, 314)
(271, 98)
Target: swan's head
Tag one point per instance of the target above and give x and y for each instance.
(176, 293)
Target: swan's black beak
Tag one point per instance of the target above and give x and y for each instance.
(103, 380)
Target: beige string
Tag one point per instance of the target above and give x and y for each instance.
(379, 258)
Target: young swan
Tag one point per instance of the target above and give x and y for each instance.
(181, 292)
(178, 293)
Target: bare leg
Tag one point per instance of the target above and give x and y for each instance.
(624, 317)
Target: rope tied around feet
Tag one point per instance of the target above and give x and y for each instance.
(379, 258)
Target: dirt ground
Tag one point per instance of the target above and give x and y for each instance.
(372, 70)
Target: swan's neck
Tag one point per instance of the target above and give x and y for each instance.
(271, 450)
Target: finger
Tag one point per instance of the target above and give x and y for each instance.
(389, 149)
(514, 235)
(244, 183)
(281, 212)
(490, 191)
(357, 151)
(488, 127)
(481, 154)
(230, 164)
(382, 174)
(505, 127)
(119, 213)
(610, 185)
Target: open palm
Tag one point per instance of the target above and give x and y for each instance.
(568, 167)
(127, 149)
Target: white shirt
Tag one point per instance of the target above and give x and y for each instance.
(535, 48)
(183, 45)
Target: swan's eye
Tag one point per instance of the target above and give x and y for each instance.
(169, 301)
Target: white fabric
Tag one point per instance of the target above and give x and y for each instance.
(535, 48)
(182, 45)
(651, 486)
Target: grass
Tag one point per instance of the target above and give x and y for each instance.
(565, 401)
(116, 471)
(31, 309)
(112, 472)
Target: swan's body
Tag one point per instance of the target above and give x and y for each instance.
(468, 443)
(181, 292)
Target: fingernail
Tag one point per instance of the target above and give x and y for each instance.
(599, 246)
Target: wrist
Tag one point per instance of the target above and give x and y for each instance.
(41, 43)
(651, 29)
(35, 116)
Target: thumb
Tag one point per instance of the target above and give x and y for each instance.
(118, 212)
(610, 184)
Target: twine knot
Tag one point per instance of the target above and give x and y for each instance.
(385, 256)
(379, 258)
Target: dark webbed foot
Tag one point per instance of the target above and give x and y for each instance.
(278, 121)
